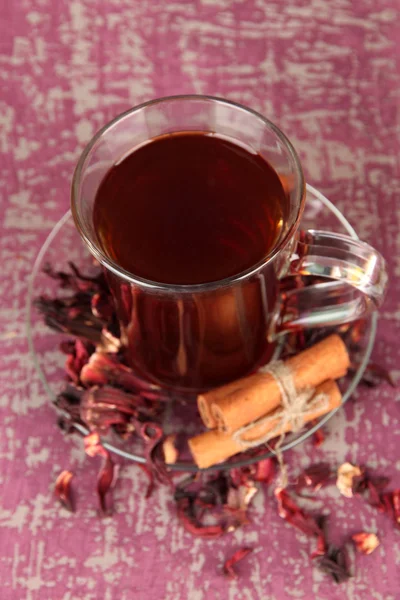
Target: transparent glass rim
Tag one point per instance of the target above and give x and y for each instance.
(185, 466)
(112, 266)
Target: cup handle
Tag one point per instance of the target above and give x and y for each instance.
(359, 280)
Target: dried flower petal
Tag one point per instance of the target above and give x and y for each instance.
(334, 563)
(292, 514)
(93, 446)
(75, 280)
(365, 542)
(391, 504)
(262, 471)
(152, 434)
(63, 491)
(193, 526)
(78, 354)
(229, 564)
(102, 306)
(265, 470)
(109, 342)
(71, 315)
(105, 480)
(321, 546)
(209, 506)
(318, 437)
(396, 505)
(241, 497)
(315, 477)
(68, 401)
(106, 406)
(105, 369)
(345, 475)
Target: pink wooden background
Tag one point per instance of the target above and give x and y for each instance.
(328, 74)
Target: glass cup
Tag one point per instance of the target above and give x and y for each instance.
(194, 337)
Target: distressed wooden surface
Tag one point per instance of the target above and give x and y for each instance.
(328, 74)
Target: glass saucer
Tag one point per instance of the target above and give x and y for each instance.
(64, 245)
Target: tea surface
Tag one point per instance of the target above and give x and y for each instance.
(189, 208)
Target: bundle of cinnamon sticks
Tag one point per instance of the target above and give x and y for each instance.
(242, 412)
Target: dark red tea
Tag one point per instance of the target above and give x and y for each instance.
(192, 208)
(189, 208)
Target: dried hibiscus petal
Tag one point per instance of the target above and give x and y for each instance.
(152, 434)
(365, 542)
(102, 306)
(105, 480)
(191, 523)
(69, 400)
(75, 280)
(346, 473)
(321, 546)
(93, 446)
(72, 316)
(318, 438)
(237, 503)
(262, 471)
(265, 470)
(229, 565)
(334, 563)
(211, 506)
(315, 477)
(294, 515)
(63, 491)
(78, 353)
(103, 369)
(391, 505)
(109, 342)
(102, 407)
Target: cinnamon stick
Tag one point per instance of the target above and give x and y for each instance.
(246, 400)
(215, 446)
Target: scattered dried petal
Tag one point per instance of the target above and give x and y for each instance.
(239, 499)
(294, 515)
(78, 354)
(321, 546)
(68, 401)
(318, 437)
(169, 449)
(262, 471)
(365, 542)
(109, 342)
(105, 480)
(106, 406)
(211, 505)
(345, 475)
(265, 470)
(193, 526)
(334, 563)
(102, 306)
(229, 564)
(315, 477)
(390, 502)
(93, 446)
(63, 491)
(106, 369)
(75, 280)
(151, 434)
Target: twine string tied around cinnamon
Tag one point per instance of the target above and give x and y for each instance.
(295, 406)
